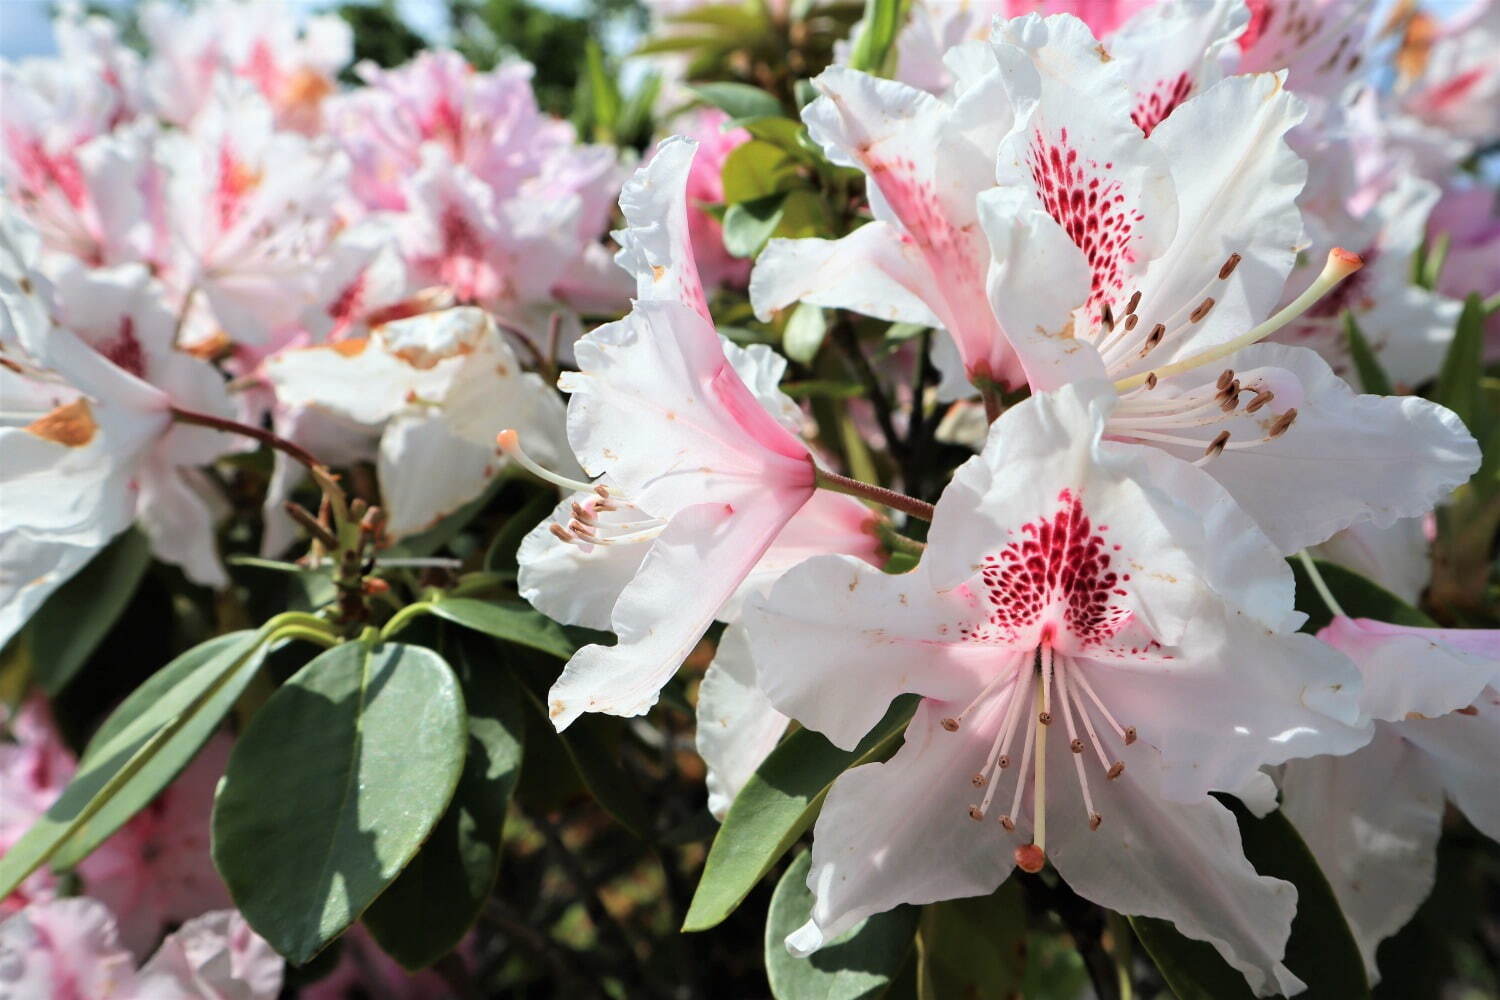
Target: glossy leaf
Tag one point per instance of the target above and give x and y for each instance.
(1359, 596)
(755, 169)
(435, 900)
(1372, 376)
(1458, 385)
(65, 631)
(748, 225)
(872, 48)
(775, 806)
(513, 621)
(334, 786)
(1321, 951)
(856, 965)
(739, 100)
(153, 739)
(973, 947)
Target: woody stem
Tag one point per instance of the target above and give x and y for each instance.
(260, 434)
(875, 494)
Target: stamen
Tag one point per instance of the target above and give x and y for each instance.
(1074, 744)
(582, 513)
(1158, 332)
(1107, 318)
(1151, 380)
(1045, 715)
(1279, 427)
(1132, 320)
(1026, 748)
(1032, 860)
(1001, 677)
(1203, 307)
(1135, 300)
(1216, 446)
(1262, 397)
(562, 534)
(1126, 733)
(1340, 264)
(1229, 266)
(1225, 378)
(510, 443)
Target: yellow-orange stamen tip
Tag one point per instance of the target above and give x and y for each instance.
(1345, 260)
(1030, 858)
(508, 440)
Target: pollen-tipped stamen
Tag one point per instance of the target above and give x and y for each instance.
(509, 442)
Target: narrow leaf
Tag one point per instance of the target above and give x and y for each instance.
(1458, 385)
(776, 805)
(881, 22)
(1372, 376)
(1359, 596)
(512, 621)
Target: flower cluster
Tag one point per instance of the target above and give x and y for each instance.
(1142, 277)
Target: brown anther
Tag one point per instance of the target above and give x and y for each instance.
(582, 531)
(1135, 300)
(602, 490)
(1216, 446)
(560, 533)
(1229, 266)
(1229, 399)
(1150, 380)
(1107, 317)
(1129, 735)
(1225, 378)
(1045, 718)
(1094, 820)
(976, 814)
(1131, 321)
(1008, 823)
(1004, 761)
(582, 513)
(1262, 397)
(1156, 336)
(1202, 310)
(1030, 859)
(1115, 770)
(950, 724)
(1076, 746)
(979, 781)
(1279, 427)
(1467, 710)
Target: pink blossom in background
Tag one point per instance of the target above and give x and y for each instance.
(1469, 215)
(705, 186)
(364, 969)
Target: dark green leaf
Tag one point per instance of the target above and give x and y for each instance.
(775, 806)
(749, 224)
(436, 899)
(145, 752)
(1458, 382)
(974, 947)
(1321, 952)
(1358, 596)
(1372, 377)
(512, 621)
(872, 48)
(857, 965)
(739, 100)
(334, 786)
(65, 631)
(501, 555)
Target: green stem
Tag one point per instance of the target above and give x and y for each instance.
(894, 541)
(317, 636)
(1319, 584)
(403, 618)
(875, 494)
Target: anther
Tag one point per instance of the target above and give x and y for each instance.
(582, 513)
(1030, 858)
(1129, 735)
(509, 442)
(1135, 300)
(1229, 266)
(1076, 746)
(976, 814)
(1094, 820)
(1201, 311)
(1008, 823)
(602, 490)
(1115, 770)
(1157, 334)
(1225, 378)
(581, 530)
(1131, 320)
(1216, 446)
(1262, 397)
(1467, 710)
(1004, 761)
(1229, 399)
(1279, 427)
(979, 781)
(950, 724)
(1107, 317)
(1150, 381)
(1045, 718)
(562, 534)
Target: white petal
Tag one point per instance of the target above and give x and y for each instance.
(1463, 750)
(1399, 557)
(1171, 51)
(30, 570)
(899, 832)
(574, 582)
(737, 726)
(217, 955)
(872, 271)
(427, 472)
(1416, 671)
(655, 245)
(1372, 821)
(181, 522)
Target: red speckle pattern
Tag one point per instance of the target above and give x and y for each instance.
(1056, 572)
(1090, 206)
(236, 180)
(1152, 108)
(346, 306)
(125, 349)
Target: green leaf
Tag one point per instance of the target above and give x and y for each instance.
(739, 100)
(1321, 951)
(513, 621)
(1372, 376)
(334, 786)
(65, 631)
(1359, 596)
(603, 94)
(756, 169)
(501, 555)
(749, 224)
(857, 965)
(775, 806)
(1458, 385)
(804, 214)
(436, 899)
(872, 48)
(804, 332)
(150, 743)
(738, 18)
(974, 947)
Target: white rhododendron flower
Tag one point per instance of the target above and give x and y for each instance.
(1372, 818)
(1092, 661)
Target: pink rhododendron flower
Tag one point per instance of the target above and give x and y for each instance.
(1453, 81)
(1372, 818)
(1083, 645)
